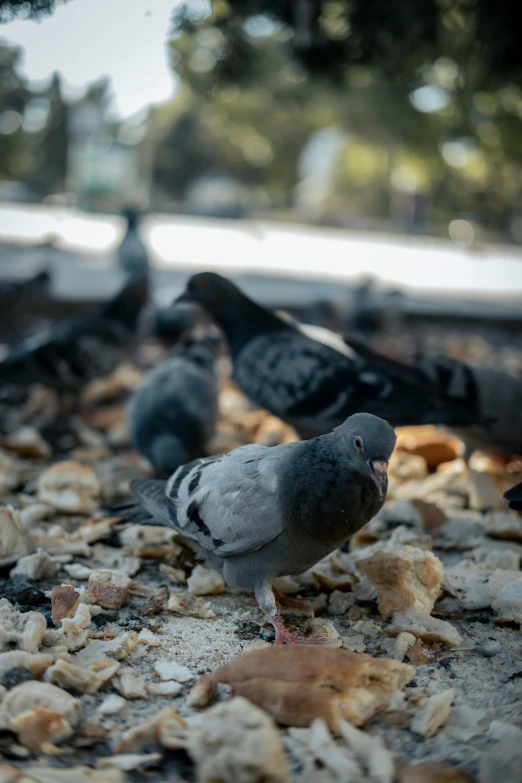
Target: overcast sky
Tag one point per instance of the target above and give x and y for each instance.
(87, 39)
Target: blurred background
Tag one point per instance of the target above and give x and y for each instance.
(357, 162)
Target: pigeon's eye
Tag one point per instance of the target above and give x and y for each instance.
(358, 443)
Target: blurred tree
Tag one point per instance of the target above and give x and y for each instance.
(33, 129)
(26, 9)
(425, 93)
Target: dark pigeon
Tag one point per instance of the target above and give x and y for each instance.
(73, 352)
(491, 396)
(261, 512)
(173, 414)
(514, 497)
(309, 377)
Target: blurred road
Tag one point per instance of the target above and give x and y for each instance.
(83, 243)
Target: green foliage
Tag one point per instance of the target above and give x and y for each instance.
(425, 93)
(33, 130)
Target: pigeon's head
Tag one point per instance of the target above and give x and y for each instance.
(212, 291)
(371, 441)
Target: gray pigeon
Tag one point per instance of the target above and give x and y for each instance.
(132, 253)
(261, 512)
(311, 382)
(173, 414)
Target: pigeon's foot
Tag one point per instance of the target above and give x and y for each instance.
(296, 603)
(283, 635)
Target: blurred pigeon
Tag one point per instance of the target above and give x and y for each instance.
(171, 323)
(17, 303)
(308, 376)
(132, 253)
(514, 497)
(173, 414)
(494, 397)
(261, 512)
(73, 352)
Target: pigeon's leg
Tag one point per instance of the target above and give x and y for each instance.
(267, 602)
(296, 603)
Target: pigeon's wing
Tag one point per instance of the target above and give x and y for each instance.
(228, 504)
(75, 351)
(67, 355)
(296, 376)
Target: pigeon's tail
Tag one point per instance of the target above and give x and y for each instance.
(445, 391)
(148, 506)
(514, 497)
(168, 453)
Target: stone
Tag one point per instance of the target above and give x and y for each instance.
(433, 445)
(425, 627)
(63, 775)
(506, 559)
(130, 686)
(115, 649)
(77, 571)
(288, 683)
(434, 714)
(339, 602)
(65, 600)
(370, 753)
(367, 628)
(109, 589)
(14, 541)
(20, 630)
(169, 688)
(503, 762)
(323, 627)
(486, 491)
(508, 603)
(70, 487)
(432, 772)
(36, 664)
(149, 638)
(112, 705)
(69, 676)
(130, 761)
(405, 578)
(176, 575)
(504, 525)
(202, 693)
(27, 442)
(237, 743)
(11, 473)
(117, 559)
(403, 642)
(36, 566)
(165, 729)
(468, 581)
(354, 642)
(190, 606)
(205, 581)
(40, 713)
(74, 631)
(170, 670)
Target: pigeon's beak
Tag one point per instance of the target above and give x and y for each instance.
(379, 470)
